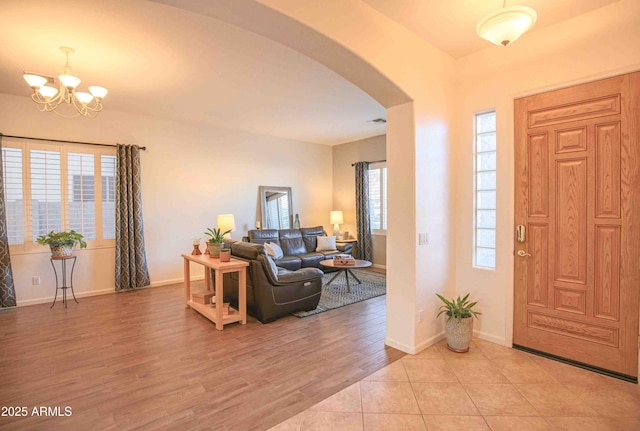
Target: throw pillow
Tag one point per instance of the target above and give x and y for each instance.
(274, 250)
(326, 243)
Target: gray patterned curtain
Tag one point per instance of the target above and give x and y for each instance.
(364, 250)
(7, 289)
(131, 259)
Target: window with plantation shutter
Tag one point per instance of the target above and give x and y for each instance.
(81, 196)
(13, 194)
(53, 187)
(46, 192)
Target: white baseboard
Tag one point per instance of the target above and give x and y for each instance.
(489, 337)
(430, 342)
(50, 298)
(43, 300)
(375, 265)
(412, 350)
(400, 346)
(175, 281)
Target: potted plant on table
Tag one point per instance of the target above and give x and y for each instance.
(458, 325)
(216, 238)
(62, 243)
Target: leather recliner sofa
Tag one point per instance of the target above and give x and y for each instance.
(299, 246)
(272, 291)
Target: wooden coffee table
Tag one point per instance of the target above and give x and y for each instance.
(346, 269)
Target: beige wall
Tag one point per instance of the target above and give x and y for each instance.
(344, 189)
(190, 173)
(595, 45)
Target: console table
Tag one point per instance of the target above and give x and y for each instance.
(216, 314)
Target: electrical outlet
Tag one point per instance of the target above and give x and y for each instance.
(35, 280)
(420, 315)
(423, 238)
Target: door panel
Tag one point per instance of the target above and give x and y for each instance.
(578, 194)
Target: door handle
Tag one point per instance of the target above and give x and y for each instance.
(522, 253)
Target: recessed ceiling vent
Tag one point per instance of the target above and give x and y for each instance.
(377, 121)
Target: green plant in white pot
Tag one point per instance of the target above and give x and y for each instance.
(215, 241)
(62, 243)
(458, 325)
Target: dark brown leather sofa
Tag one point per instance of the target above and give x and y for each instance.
(299, 246)
(272, 291)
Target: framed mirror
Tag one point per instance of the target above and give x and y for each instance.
(276, 207)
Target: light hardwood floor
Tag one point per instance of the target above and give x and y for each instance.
(140, 360)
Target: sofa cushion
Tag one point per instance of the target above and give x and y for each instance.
(291, 242)
(291, 263)
(311, 259)
(273, 250)
(326, 243)
(260, 236)
(309, 235)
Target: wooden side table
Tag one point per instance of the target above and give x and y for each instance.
(217, 315)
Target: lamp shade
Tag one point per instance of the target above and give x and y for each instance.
(69, 81)
(226, 222)
(336, 217)
(506, 25)
(83, 97)
(35, 81)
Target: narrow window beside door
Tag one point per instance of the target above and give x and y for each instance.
(485, 190)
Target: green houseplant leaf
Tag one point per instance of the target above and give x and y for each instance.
(215, 235)
(62, 238)
(459, 308)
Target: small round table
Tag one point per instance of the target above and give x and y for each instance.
(64, 286)
(346, 269)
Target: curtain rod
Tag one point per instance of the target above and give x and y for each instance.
(62, 140)
(372, 161)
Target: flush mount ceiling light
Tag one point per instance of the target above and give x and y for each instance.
(50, 98)
(506, 25)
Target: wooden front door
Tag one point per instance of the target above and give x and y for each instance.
(577, 269)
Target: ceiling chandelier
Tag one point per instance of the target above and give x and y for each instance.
(49, 98)
(506, 25)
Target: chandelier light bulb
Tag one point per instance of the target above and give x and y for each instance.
(506, 25)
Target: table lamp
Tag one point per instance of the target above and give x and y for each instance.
(226, 222)
(336, 220)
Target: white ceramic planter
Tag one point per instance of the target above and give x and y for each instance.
(214, 249)
(459, 332)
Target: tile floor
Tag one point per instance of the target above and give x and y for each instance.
(489, 388)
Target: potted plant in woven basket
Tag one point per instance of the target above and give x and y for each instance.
(62, 243)
(458, 324)
(215, 241)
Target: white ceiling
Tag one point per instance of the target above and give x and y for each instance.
(170, 63)
(451, 24)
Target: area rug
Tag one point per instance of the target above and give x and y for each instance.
(335, 295)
